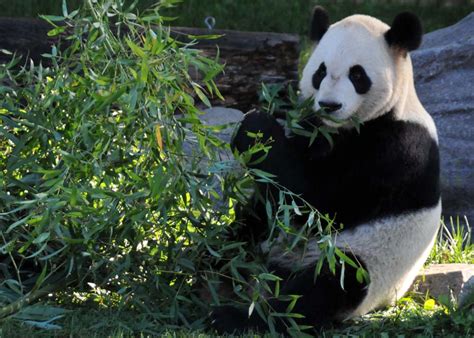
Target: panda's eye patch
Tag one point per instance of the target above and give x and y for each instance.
(359, 79)
(319, 75)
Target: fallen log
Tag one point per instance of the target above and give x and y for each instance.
(250, 58)
(26, 37)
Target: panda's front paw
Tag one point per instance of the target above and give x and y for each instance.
(256, 123)
(229, 319)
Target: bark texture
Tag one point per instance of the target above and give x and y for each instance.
(250, 58)
(25, 36)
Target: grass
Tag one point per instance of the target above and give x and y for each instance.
(412, 316)
(454, 244)
(264, 15)
(415, 315)
(407, 318)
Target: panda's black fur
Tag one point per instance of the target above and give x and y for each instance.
(388, 167)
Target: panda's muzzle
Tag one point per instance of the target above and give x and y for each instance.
(329, 107)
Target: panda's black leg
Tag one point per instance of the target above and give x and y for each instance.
(322, 301)
(230, 319)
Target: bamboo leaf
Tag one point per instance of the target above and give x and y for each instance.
(201, 95)
(159, 139)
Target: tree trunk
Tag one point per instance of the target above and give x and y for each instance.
(26, 37)
(250, 58)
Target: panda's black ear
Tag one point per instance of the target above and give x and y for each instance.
(319, 23)
(406, 32)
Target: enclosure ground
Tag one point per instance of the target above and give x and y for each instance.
(408, 318)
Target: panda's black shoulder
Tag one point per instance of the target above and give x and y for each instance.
(404, 144)
(385, 138)
(403, 157)
(390, 166)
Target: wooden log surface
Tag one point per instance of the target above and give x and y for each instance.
(250, 58)
(25, 36)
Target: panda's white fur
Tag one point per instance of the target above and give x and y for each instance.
(394, 249)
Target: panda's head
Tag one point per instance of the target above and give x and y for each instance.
(360, 66)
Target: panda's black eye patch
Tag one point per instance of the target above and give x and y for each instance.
(319, 75)
(359, 79)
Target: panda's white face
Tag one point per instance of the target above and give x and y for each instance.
(351, 72)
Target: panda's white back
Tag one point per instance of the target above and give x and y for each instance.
(394, 250)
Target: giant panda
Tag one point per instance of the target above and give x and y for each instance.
(381, 180)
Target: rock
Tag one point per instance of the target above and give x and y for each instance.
(444, 78)
(446, 279)
(217, 116)
(466, 297)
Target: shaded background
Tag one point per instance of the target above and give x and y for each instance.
(271, 15)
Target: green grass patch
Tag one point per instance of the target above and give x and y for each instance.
(454, 243)
(413, 316)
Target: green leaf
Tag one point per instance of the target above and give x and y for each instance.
(345, 258)
(213, 252)
(429, 304)
(296, 209)
(113, 97)
(18, 223)
(201, 95)
(251, 308)
(269, 277)
(144, 70)
(52, 18)
(56, 31)
(343, 273)
(327, 136)
(41, 238)
(291, 306)
(135, 49)
(362, 276)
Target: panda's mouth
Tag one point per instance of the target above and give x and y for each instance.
(330, 106)
(332, 119)
(334, 125)
(333, 114)
(340, 119)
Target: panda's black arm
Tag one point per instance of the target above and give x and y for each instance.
(283, 159)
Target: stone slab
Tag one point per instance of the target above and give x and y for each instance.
(445, 279)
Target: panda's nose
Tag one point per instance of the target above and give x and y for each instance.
(329, 107)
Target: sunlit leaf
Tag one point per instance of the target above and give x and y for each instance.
(159, 139)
